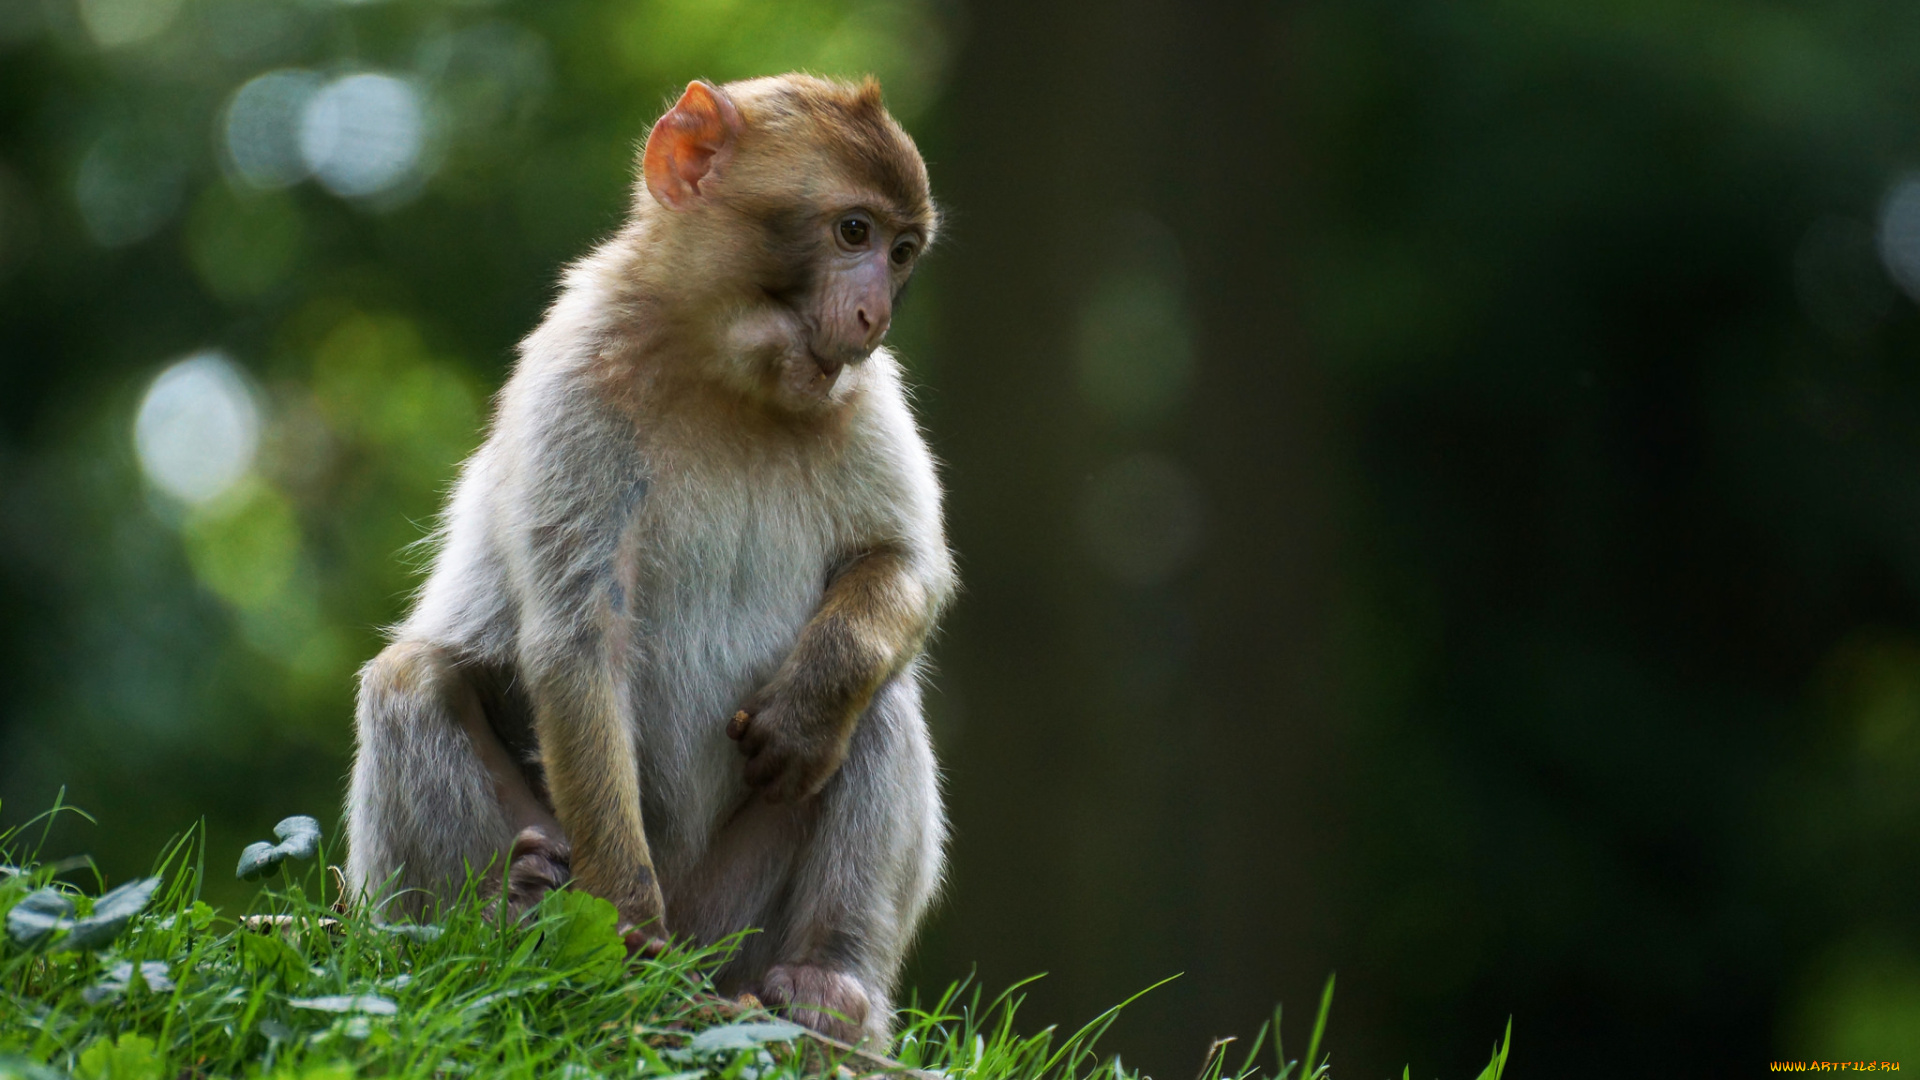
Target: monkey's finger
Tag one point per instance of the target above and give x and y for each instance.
(777, 787)
(797, 784)
(754, 741)
(774, 781)
(761, 768)
(737, 726)
(776, 990)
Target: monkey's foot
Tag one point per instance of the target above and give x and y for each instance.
(827, 1001)
(537, 864)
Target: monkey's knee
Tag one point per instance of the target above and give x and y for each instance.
(406, 676)
(421, 811)
(420, 718)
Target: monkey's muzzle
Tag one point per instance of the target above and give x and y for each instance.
(829, 369)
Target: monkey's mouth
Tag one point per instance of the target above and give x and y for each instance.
(829, 369)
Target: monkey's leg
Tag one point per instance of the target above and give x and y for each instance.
(435, 793)
(867, 865)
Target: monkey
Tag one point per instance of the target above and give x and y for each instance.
(670, 647)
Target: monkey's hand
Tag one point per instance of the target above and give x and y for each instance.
(791, 751)
(539, 863)
(642, 927)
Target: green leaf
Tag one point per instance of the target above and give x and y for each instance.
(111, 914)
(299, 839)
(744, 1035)
(338, 1070)
(583, 935)
(411, 931)
(152, 973)
(1498, 1066)
(370, 1004)
(200, 915)
(34, 920)
(133, 1057)
(38, 916)
(13, 1067)
(270, 954)
(1319, 1029)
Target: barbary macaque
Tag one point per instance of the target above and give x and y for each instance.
(670, 647)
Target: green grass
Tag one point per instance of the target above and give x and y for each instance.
(183, 990)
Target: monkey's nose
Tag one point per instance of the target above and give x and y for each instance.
(873, 326)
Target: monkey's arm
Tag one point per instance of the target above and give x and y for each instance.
(582, 486)
(874, 619)
(588, 754)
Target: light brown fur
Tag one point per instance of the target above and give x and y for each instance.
(703, 512)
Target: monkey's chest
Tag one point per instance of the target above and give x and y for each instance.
(724, 586)
(727, 575)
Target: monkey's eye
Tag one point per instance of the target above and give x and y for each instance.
(854, 231)
(902, 253)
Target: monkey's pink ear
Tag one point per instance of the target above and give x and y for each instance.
(688, 144)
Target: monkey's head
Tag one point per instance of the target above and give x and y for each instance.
(789, 212)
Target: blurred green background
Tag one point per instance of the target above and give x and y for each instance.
(1438, 484)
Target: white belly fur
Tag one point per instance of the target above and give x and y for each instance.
(716, 612)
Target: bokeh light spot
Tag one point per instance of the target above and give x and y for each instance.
(362, 134)
(1141, 519)
(17, 224)
(113, 23)
(248, 549)
(1899, 234)
(488, 80)
(1134, 351)
(19, 22)
(197, 428)
(247, 557)
(1838, 280)
(263, 127)
(242, 246)
(901, 43)
(126, 189)
(1862, 1003)
(374, 381)
(905, 43)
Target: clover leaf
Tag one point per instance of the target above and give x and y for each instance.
(299, 839)
(37, 917)
(45, 912)
(132, 1056)
(111, 914)
(153, 973)
(736, 1049)
(368, 1004)
(744, 1035)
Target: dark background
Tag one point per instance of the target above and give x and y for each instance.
(1436, 483)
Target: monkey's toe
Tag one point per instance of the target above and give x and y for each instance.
(643, 942)
(830, 1002)
(537, 864)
